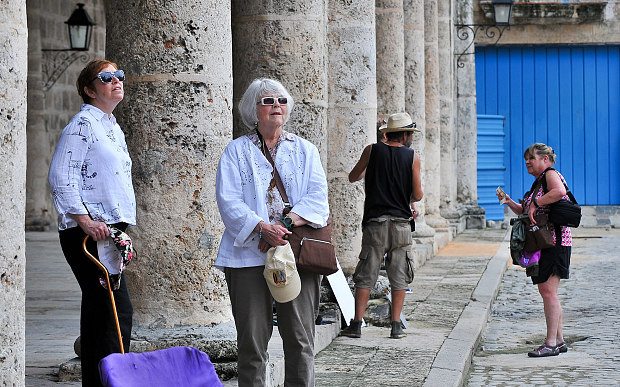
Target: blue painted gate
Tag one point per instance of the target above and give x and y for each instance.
(565, 96)
(491, 168)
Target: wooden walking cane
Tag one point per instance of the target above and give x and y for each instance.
(107, 278)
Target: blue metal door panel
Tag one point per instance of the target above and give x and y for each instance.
(491, 169)
(565, 96)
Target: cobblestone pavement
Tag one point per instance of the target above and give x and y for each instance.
(591, 324)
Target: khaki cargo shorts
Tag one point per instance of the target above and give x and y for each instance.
(383, 235)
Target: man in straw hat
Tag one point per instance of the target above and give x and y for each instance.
(392, 185)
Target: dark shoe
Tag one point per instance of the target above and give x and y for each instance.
(397, 330)
(544, 351)
(353, 330)
(562, 347)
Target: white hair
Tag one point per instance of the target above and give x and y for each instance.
(259, 88)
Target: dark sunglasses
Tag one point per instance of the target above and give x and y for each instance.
(272, 101)
(107, 77)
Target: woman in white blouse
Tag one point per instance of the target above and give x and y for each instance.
(252, 210)
(90, 181)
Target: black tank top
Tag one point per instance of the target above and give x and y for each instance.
(389, 182)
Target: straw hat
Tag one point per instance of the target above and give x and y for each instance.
(399, 122)
(281, 273)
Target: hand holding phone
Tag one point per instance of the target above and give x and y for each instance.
(501, 195)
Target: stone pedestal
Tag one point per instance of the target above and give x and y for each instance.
(13, 67)
(177, 118)
(351, 118)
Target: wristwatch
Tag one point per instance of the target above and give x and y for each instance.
(288, 222)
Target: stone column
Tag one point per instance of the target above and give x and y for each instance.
(177, 118)
(447, 117)
(351, 117)
(39, 211)
(432, 169)
(415, 102)
(466, 129)
(390, 57)
(13, 67)
(285, 40)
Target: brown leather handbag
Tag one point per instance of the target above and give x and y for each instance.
(540, 235)
(313, 248)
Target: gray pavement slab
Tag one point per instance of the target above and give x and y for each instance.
(590, 306)
(450, 299)
(441, 296)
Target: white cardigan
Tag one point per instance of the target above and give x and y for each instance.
(243, 177)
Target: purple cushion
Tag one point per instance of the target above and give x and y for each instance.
(177, 366)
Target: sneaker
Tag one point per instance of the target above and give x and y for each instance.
(397, 330)
(562, 347)
(353, 330)
(544, 351)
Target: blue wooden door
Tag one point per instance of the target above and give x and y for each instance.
(565, 96)
(491, 169)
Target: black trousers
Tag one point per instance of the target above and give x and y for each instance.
(97, 326)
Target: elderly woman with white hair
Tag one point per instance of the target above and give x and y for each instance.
(257, 218)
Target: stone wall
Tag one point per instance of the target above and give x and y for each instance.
(13, 76)
(557, 22)
(50, 108)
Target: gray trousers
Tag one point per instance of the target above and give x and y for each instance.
(252, 307)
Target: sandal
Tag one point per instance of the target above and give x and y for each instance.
(544, 351)
(562, 347)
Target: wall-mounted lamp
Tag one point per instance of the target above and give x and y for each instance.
(502, 11)
(56, 61)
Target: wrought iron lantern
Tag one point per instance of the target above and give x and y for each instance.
(56, 61)
(502, 12)
(80, 29)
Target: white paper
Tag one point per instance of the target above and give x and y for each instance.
(343, 294)
(109, 255)
(501, 192)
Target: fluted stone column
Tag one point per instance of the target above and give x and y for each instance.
(415, 101)
(351, 117)
(466, 127)
(447, 117)
(13, 67)
(39, 213)
(390, 57)
(432, 168)
(177, 117)
(285, 40)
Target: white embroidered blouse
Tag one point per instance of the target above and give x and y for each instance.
(242, 183)
(91, 167)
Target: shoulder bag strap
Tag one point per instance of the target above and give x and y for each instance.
(276, 175)
(568, 192)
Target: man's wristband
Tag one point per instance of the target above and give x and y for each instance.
(535, 201)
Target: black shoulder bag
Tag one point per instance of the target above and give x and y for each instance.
(563, 212)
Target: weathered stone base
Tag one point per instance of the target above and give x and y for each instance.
(465, 217)
(600, 216)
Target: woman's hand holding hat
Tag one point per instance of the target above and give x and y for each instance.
(272, 235)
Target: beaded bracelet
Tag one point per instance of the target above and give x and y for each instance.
(260, 230)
